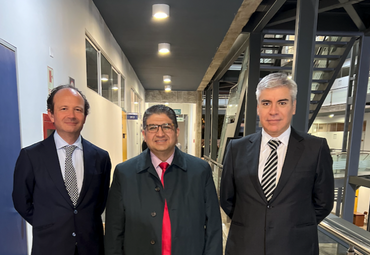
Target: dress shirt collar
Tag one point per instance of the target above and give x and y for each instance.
(283, 138)
(60, 143)
(156, 161)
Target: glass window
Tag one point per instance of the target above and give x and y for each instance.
(109, 79)
(92, 67)
(114, 89)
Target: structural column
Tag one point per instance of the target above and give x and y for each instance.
(214, 127)
(253, 52)
(357, 118)
(305, 37)
(207, 120)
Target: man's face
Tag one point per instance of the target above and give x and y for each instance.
(68, 116)
(161, 141)
(275, 109)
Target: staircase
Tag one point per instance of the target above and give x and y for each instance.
(330, 54)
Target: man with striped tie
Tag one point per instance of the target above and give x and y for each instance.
(277, 184)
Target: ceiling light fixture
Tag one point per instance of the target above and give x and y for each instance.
(167, 78)
(161, 11)
(104, 77)
(331, 115)
(115, 87)
(164, 48)
(167, 88)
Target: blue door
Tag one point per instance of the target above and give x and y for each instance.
(13, 238)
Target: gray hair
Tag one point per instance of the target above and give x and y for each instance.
(274, 80)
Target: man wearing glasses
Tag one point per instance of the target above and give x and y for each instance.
(163, 202)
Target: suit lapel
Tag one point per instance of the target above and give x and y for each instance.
(293, 155)
(253, 156)
(89, 157)
(53, 167)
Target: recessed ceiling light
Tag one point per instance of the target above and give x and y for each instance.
(167, 88)
(167, 78)
(331, 115)
(115, 87)
(104, 77)
(164, 48)
(161, 11)
(136, 102)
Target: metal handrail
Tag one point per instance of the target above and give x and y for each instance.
(213, 161)
(347, 232)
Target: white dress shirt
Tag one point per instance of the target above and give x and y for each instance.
(265, 152)
(77, 158)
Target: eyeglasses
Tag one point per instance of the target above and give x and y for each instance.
(153, 128)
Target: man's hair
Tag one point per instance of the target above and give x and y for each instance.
(160, 109)
(274, 80)
(50, 100)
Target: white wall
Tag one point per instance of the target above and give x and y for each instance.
(34, 27)
(190, 110)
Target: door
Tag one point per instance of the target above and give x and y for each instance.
(13, 239)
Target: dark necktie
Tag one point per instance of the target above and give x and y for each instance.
(70, 178)
(270, 170)
(166, 223)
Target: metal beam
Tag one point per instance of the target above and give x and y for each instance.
(263, 18)
(214, 130)
(354, 15)
(357, 118)
(207, 120)
(323, 7)
(304, 45)
(236, 50)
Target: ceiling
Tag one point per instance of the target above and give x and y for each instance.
(198, 31)
(194, 29)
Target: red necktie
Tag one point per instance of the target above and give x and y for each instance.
(166, 224)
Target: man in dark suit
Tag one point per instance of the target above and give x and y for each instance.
(163, 202)
(277, 184)
(61, 184)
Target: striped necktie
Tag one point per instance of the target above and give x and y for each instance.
(270, 170)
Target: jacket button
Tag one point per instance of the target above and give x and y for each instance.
(73, 234)
(268, 207)
(153, 214)
(75, 211)
(152, 242)
(157, 189)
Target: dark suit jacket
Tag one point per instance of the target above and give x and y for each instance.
(41, 198)
(136, 203)
(303, 197)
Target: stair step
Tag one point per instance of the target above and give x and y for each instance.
(320, 81)
(316, 92)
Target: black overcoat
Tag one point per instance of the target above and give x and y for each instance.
(136, 203)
